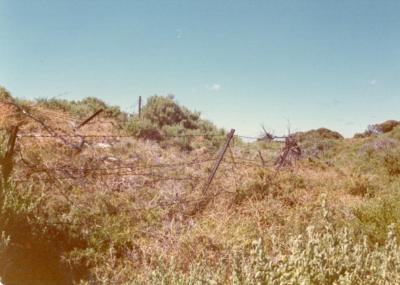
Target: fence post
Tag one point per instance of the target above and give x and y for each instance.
(262, 159)
(140, 107)
(7, 161)
(218, 162)
(90, 118)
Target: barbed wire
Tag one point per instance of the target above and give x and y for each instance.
(74, 120)
(119, 174)
(252, 163)
(276, 139)
(130, 170)
(153, 166)
(110, 136)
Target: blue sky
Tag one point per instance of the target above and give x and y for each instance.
(305, 64)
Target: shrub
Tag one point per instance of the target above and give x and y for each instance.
(323, 149)
(164, 111)
(82, 108)
(268, 183)
(373, 217)
(166, 121)
(31, 248)
(395, 133)
(321, 133)
(361, 185)
(144, 129)
(331, 255)
(5, 95)
(384, 127)
(381, 128)
(391, 161)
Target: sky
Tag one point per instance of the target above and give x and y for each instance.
(242, 64)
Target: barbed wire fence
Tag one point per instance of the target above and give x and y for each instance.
(67, 172)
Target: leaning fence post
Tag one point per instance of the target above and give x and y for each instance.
(7, 161)
(90, 118)
(261, 158)
(219, 160)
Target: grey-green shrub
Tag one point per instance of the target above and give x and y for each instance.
(166, 121)
(327, 255)
(82, 108)
(373, 217)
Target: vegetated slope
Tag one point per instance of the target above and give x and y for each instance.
(121, 201)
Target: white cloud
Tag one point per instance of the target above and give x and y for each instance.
(214, 87)
(373, 82)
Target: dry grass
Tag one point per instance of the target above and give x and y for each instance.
(135, 204)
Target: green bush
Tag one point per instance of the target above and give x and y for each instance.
(395, 133)
(82, 108)
(32, 248)
(391, 161)
(331, 255)
(361, 185)
(373, 217)
(268, 183)
(166, 121)
(5, 95)
(164, 111)
(321, 133)
(144, 129)
(381, 128)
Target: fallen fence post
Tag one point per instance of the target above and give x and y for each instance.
(221, 156)
(7, 161)
(90, 118)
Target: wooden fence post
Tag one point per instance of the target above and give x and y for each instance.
(90, 118)
(218, 162)
(7, 161)
(140, 107)
(262, 159)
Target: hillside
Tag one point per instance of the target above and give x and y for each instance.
(122, 200)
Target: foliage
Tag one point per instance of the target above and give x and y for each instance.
(381, 128)
(267, 183)
(5, 95)
(361, 185)
(374, 217)
(165, 120)
(320, 134)
(147, 221)
(33, 248)
(82, 108)
(143, 129)
(391, 161)
(328, 256)
(164, 111)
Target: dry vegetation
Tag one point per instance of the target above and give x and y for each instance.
(120, 201)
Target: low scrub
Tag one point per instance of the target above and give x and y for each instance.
(320, 134)
(82, 108)
(391, 161)
(374, 217)
(381, 128)
(327, 256)
(30, 246)
(165, 121)
(274, 184)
